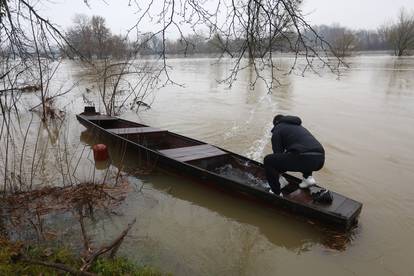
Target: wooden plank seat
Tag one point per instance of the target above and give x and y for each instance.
(99, 118)
(134, 130)
(192, 153)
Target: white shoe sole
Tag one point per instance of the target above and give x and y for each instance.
(304, 185)
(308, 182)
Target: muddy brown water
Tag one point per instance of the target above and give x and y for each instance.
(365, 121)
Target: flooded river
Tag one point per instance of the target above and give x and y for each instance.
(365, 121)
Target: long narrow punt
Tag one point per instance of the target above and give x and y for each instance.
(225, 169)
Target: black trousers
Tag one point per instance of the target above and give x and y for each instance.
(278, 163)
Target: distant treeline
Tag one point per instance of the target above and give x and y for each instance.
(397, 36)
(92, 39)
(340, 38)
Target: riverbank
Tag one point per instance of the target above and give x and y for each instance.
(30, 243)
(18, 258)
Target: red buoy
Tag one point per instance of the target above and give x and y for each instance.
(100, 152)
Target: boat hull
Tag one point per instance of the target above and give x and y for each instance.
(342, 216)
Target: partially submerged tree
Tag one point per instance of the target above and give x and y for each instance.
(124, 85)
(400, 35)
(344, 44)
(342, 40)
(92, 38)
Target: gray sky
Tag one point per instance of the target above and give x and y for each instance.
(367, 14)
(356, 14)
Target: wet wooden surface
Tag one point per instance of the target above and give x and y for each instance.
(134, 130)
(185, 154)
(340, 204)
(99, 118)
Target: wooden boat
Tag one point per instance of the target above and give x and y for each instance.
(222, 168)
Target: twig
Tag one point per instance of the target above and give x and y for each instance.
(114, 245)
(85, 237)
(58, 266)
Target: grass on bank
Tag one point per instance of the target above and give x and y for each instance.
(17, 259)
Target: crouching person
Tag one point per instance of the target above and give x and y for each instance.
(294, 149)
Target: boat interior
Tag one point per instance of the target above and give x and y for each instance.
(194, 152)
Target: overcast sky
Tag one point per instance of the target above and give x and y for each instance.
(356, 14)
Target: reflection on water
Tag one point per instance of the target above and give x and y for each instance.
(363, 119)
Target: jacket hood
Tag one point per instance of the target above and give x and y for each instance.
(293, 120)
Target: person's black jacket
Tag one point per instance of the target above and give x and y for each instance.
(290, 136)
